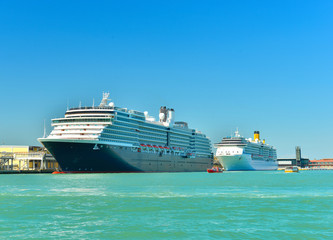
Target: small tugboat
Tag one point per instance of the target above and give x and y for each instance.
(291, 169)
(58, 172)
(215, 170)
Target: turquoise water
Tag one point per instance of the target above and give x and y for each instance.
(229, 205)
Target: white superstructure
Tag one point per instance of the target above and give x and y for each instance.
(120, 126)
(240, 154)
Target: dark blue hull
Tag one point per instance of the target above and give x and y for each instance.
(81, 157)
(89, 157)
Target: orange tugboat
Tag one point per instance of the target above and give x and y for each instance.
(215, 170)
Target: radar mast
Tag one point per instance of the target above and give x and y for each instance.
(105, 99)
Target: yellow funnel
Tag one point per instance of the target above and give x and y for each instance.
(256, 136)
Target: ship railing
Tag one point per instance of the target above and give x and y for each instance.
(79, 108)
(158, 150)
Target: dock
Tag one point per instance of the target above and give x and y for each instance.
(26, 171)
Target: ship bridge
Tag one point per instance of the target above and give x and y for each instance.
(232, 141)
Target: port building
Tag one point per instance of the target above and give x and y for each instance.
(326, 163)
(288, 162)
(26, 158)
(298, 161)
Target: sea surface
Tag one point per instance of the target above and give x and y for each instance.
(229, 205)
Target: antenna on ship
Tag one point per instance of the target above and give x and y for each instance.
(80, 105)
(67, 104)
(44, 135)
(105, 99)
(93, 102)
(237, 133)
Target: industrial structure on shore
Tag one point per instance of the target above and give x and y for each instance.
(305, 163)
(298, 161)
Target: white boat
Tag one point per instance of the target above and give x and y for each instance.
(240, 154)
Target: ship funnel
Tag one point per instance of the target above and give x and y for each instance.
(163, 114)
(167, 116)
(171, 117)
(256, 137)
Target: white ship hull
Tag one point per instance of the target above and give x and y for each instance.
(244, 162)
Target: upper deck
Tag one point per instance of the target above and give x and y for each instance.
(232, 141)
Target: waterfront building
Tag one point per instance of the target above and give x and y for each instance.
(26, 158)
(298, 161)
(288, 162)
(326, 163)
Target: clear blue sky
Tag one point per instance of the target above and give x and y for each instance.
(255, 65)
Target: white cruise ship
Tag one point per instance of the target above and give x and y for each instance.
(107, 138)
(240, 154)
